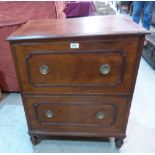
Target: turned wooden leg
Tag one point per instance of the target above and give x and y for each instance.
(119, 142)
(35, 139)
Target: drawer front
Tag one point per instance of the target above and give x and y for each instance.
(79, 69)
(95, 67)
(73, 114)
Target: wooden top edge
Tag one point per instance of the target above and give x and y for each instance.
(77, 27)
(69, 36)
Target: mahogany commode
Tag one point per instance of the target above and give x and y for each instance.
(77, 76)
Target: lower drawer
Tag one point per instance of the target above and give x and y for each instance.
(77, 114)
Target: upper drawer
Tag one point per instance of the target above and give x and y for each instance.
(91, 67)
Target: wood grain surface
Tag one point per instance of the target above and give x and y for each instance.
(86, 26)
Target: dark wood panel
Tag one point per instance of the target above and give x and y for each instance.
(73, 70)
(68, 114)
(74, 135)
(64, 68)
(77, 113)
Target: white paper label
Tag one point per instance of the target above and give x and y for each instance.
(74, 45)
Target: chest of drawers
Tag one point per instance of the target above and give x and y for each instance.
(77, 76)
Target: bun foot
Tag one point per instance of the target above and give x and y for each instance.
(35, 140)
(119, 142)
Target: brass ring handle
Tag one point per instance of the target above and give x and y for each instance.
(100, 115)
(104, 69)
(49, 113)
(44, 69)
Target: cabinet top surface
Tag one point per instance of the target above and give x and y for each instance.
(84, 26)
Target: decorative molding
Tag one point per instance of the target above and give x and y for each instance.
(39, 94)
(36, 105)
(106, 52)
